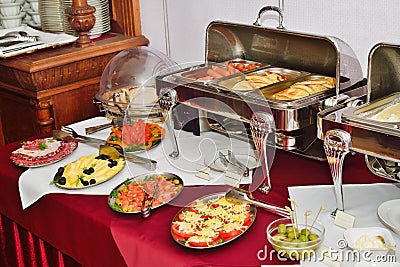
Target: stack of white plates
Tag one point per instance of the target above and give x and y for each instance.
(102, 15)
(51, 15)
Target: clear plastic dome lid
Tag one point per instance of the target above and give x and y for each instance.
(129, 77)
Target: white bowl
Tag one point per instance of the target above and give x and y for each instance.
(12, 21)
(352, 235)
(12, 9)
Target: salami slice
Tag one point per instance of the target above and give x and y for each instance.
(42, 152)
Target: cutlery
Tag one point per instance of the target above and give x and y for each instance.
(240, 196)
(232, 158)
(97, 128)
(21, 48)
(68, 134)
(228, 163)
(145, 211)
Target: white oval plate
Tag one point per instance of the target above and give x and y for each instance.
(389, 214)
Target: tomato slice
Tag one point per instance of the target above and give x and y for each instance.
(230, 234)
(177, 231)
(204, 240)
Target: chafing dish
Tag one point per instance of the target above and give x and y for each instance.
(293, 123)
(371, 128)
(305, 54)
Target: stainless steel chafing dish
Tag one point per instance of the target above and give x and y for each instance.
(293, 122)
(371, 128)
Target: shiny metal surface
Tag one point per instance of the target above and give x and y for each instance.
(306, 53)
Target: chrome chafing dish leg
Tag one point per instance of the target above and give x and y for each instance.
(261, 125)
(336, 145)
(167, 100)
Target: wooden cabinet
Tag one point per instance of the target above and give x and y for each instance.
(53, 87)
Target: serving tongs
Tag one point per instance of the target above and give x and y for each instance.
(69, 134)
(240, 196)
(146, 210)
(230, 160)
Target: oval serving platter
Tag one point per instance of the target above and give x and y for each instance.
(45, 155)
(128, 196)
(208, 207)
(88, 171)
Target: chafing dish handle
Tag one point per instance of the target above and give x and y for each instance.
(271, 8)
(167, 100)
(336, 145)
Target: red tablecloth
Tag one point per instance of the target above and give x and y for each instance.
(87, 230)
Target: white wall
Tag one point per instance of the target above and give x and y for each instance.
(360, 23)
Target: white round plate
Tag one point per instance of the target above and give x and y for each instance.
(389, 214)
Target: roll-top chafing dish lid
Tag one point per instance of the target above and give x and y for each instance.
(128, 81)
(324, 55)
(383, 71)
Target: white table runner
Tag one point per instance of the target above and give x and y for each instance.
(35, 182)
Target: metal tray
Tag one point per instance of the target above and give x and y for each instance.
(365, 114)
(222, 241)
(229, 82)
(269, 92)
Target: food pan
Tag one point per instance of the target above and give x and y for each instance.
(244, 65)
(304, 87)
(232, 84)
(375, 110)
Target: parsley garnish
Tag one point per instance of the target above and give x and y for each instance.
(42, 146)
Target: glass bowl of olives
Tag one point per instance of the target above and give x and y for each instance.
(295, 241)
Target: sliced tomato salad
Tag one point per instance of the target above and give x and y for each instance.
(208, 223)
(138, 136)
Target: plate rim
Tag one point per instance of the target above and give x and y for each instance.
(385, 221)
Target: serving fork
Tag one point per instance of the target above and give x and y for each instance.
(146, 210)
(230, 160)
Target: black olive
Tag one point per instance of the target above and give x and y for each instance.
(57, 176)
(92, 181)
(85, 183)
(62, 180)
(102, 157)
(115, 163)
(60, 170)
(91, 170)
(86, 172)
(110, 165)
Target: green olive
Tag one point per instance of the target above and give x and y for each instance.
(313, 237)
(291, 235)
(305, 232)
(303, 238)
(282, 228)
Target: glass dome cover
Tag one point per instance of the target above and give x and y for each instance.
(128, 81)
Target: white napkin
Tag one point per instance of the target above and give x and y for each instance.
(35, 182)
(361, 201)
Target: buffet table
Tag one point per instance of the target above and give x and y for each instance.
(77, 229)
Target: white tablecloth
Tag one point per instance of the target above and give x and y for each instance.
(35, 182)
